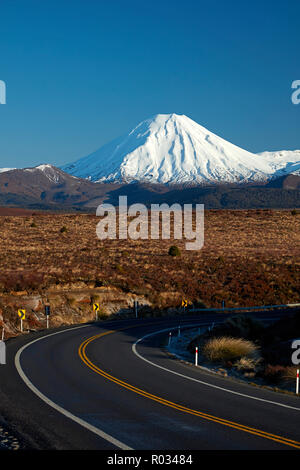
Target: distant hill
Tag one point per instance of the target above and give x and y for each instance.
(48, 188)
(213, 197)
(286, 182)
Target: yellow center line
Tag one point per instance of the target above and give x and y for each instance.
(176, 406)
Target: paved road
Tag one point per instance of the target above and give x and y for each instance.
(88, 388)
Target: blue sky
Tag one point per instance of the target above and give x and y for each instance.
(82, 72)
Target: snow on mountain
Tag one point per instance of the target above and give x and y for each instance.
(53, 174)
(283, 162)
(3, 170)
(171, 148)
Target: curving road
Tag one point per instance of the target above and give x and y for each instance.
(111, 386)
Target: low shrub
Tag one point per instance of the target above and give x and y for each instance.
(243, 326)
(174, 251)
(273, 374)
(290, 373)
(227, 349)
(71, 301)
(246, 364)
(199, 304)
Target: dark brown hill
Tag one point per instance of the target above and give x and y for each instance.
(46, 187)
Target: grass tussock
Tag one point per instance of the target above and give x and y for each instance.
(245, 364)
(228, 349)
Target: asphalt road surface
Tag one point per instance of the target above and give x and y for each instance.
(111, 385)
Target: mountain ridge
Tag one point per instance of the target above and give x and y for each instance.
(48, 188)
(166, 158)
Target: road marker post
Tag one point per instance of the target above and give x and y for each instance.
(2, 349)
(2, 352)
(179, 332)
(297, 382)
(21, 314)
(136, 305)
(47, 313)
(170, 338)
(196, 356)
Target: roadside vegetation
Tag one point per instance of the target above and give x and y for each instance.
(174, 251)
(249, 257)
(226, 348)
(245, 346)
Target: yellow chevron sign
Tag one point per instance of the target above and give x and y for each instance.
(21, 313)
(184, 303)
(96, 307)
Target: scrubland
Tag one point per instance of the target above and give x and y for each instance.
(249, 258)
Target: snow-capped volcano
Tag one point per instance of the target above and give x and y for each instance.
(171, 148)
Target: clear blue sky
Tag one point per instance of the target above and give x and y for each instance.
(82, 72)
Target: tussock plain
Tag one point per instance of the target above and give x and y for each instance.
(249, 258)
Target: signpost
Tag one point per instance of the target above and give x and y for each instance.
(184, 304)
(21, 314)
(96, 308)
(47, 313)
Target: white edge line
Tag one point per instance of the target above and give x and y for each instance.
(197, 380)
(58, 408)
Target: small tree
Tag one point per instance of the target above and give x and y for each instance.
(174, 251)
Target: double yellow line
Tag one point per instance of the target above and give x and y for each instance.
(176, 406)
